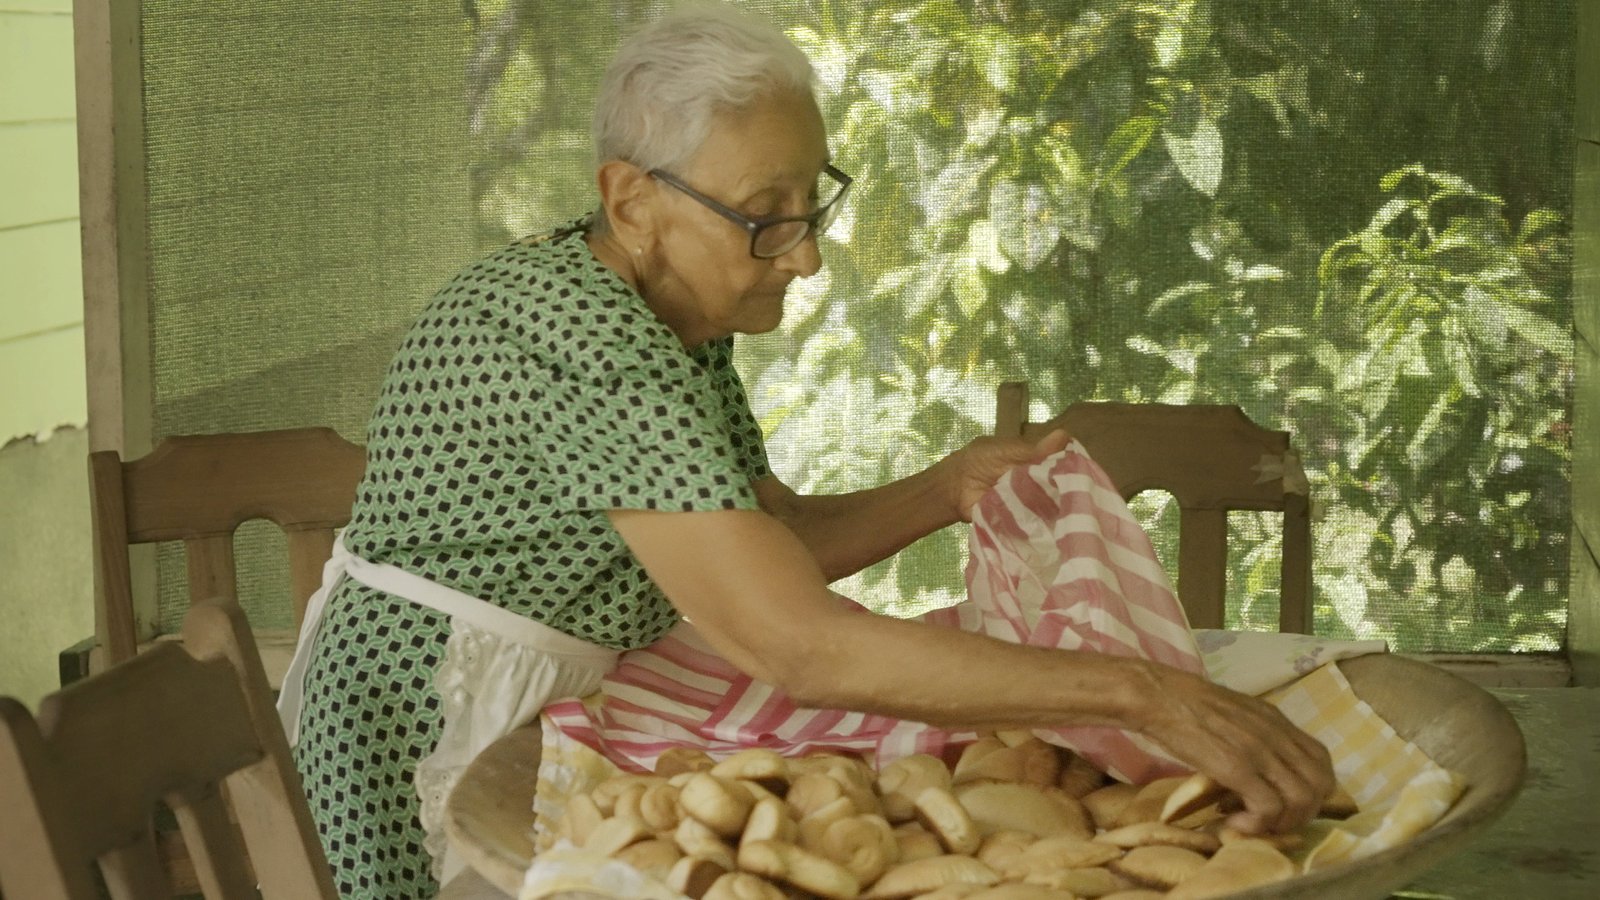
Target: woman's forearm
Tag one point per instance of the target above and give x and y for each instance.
(845, 533)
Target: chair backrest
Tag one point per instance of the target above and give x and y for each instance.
(1212, 459)
(192, 727)
(199, 489)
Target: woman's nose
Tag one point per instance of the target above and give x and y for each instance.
(804, 260)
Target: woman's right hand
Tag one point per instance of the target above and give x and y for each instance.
(1280, 773)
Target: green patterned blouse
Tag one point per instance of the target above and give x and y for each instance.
(536, 392)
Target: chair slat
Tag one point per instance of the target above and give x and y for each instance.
(1203, 565)
(201, 485)
(213, 842)
(133, 871)
(1294, 599)
(211, 568)
(309, 549)
(114, 618)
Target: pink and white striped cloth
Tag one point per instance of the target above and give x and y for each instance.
(1057, 560)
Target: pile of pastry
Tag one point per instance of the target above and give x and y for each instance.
(1013, 819)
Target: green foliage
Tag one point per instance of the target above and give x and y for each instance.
(1269, 203)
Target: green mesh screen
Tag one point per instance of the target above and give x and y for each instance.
(1349, 217)
(307, 169)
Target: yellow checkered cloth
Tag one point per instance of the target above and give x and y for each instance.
(1400, 791)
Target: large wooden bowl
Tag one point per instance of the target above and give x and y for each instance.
(489, 816)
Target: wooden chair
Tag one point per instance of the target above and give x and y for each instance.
(1212, 459)
(189, 726)
(199, 489)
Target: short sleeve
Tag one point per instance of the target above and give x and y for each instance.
(647, 435)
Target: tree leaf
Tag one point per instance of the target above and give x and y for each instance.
(1126, 143)
(1198, 155)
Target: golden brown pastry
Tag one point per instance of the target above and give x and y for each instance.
(1022, 891)
(719, 803)
(941, 813)
(606, 792)
(756, 764)
(902, 780)
(1001, 806)
(1041, 764)
(1147, 804)
(1000, 849)
(693, 876)
(1063, 852)
(1238, 866)
(811, 791)
(856, 778)
(695, 838)
(769, 821)
(1079, 776)
(1094, 881)
(653, 856)
(988, 759)
(1149, 834)
(916, 842)
(616, 833)
(1106, 804)
(952, 892)
(923, 876)
(1193, 794)
(812, 828)
(580, 819)
(658, 807)
(1227, 834)
(743, 886)
(678, 760)
(1157, 866)
(863, 844)
(800, 868)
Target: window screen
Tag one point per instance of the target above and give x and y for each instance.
(1348, 217)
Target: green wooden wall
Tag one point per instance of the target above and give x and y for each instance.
(46, 594)
(41, 303)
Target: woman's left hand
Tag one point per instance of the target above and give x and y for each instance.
(975, 468)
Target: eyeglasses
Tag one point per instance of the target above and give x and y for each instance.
(773, 236)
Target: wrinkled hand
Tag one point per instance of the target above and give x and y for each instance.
(1281, 774)
(974, 469)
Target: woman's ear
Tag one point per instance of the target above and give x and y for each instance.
(627, 193)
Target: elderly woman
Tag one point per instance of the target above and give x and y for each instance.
(563, 464)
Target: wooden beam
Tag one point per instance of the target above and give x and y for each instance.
(111, 200)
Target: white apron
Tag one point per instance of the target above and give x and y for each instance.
(499, 670)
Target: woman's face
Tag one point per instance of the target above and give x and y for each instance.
(763, 161)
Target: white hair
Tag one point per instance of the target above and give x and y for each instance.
(668, 81)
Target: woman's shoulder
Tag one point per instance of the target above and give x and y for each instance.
(551, 299)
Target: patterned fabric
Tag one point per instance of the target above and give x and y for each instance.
(535, 393)
(372, 714)
(1058, 561)
(1400, 790)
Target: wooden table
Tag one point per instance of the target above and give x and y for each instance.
(1547, 844)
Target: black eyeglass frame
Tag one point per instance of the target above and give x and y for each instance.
(823, 214)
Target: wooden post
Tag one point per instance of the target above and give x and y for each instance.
(111, 197)
(1583, 611)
